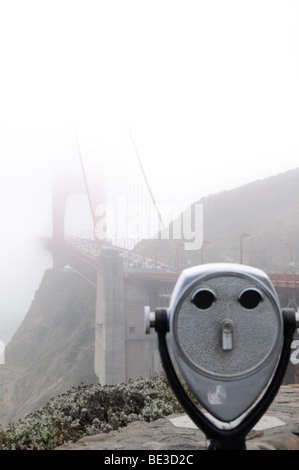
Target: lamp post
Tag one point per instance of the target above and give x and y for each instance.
(244, 235)
(291, 263)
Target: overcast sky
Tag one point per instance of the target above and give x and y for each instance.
(209, 90)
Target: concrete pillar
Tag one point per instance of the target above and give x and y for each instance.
(110, 360)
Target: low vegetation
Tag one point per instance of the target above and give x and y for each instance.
(88, 410)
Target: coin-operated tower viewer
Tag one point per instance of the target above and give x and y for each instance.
(230, 342)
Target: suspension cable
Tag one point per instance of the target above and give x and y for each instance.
(149, 188)
(87, 188)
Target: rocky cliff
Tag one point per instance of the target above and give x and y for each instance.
(53, 349)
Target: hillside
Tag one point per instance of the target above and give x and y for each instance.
(267, 209)
(53, 349)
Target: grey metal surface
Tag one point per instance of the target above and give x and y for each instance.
(226, 374)
(198, 332)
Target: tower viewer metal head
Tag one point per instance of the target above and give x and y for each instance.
(227, 335)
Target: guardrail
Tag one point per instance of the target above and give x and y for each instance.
(287, 280)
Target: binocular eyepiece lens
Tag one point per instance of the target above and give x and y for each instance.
(203, 299)
(250, 298)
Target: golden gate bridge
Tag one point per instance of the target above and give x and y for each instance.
(122, 186)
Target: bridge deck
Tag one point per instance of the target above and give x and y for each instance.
(83, 259)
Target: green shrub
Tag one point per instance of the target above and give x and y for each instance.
(87, 410)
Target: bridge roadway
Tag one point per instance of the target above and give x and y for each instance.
(82, 256)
